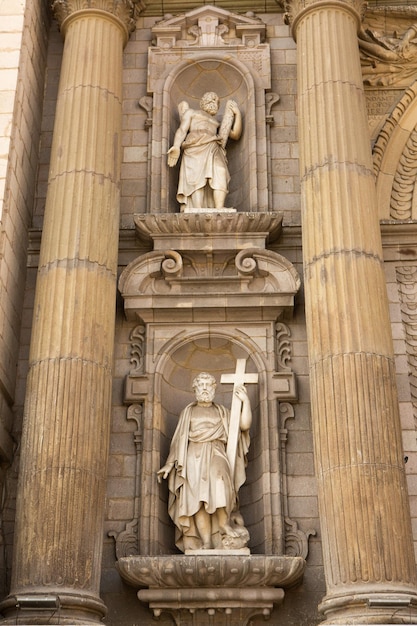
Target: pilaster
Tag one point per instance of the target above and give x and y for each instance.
(58, 537)
(365, 518)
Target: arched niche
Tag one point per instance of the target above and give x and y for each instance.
(260, 497)
(236, 69)
(230, 83)
(395, 155)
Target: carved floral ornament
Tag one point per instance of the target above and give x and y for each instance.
(127, 11)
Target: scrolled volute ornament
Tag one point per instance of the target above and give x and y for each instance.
(127, 11)
(246, 264)
(172, 265)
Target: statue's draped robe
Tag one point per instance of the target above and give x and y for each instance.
(201, 473)
(204, 162)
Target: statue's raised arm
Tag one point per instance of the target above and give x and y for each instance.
(204, 176)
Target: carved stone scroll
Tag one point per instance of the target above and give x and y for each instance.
(404, 184)
(127, 541)
(407, 280)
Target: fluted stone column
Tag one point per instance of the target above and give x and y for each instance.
(365, 519)
(64, 450)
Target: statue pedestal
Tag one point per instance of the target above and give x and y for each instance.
(209, 210)
(199, 588)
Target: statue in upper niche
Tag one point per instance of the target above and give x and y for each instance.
(203, 480)
(204, 176)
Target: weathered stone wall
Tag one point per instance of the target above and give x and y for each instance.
(300, 606)
(24, 38)
(24, 34)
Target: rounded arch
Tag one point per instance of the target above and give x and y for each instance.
(230, 78)
(395, 157)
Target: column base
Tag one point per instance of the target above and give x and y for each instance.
(371, 604)
(48, 606)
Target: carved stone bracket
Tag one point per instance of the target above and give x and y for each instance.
(206, 261)
(296, 540)
(127, 542)
(231, 588)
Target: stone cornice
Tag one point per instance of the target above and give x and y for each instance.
(127, 11)
(175, 7)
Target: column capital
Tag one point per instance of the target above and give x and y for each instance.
(295, 9)
(126, 11)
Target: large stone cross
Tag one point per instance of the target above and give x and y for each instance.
(239, 377)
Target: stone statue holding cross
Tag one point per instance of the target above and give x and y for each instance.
(206, 466)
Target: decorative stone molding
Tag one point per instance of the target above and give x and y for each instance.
(137, 338)
(283, 346)
(146, 103)
(207, 260)
(404, 183)
(391, 124)
(127, 541)
(174, 7)
(236, 229)
(203, 30)
(296, 540)
(407, 280)
(127, 11)
(231, 589)
(393, 159)
(228, 570)
(209, 26)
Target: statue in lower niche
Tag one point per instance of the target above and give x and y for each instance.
(203, 487)
(204, 176)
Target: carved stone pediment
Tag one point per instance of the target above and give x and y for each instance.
(209, 26)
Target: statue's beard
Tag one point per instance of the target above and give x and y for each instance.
(210, 108)
(204, 396)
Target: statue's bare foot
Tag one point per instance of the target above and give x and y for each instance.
(226, 529)
(206, 546)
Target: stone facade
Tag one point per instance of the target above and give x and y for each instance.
(305, 154)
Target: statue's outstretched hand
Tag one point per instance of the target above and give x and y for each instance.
(173, 156)
(164, 472)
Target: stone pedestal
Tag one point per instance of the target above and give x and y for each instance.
(215, 588)
(365, 518)
(59, 518)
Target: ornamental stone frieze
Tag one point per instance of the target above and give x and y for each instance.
(126, 11)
